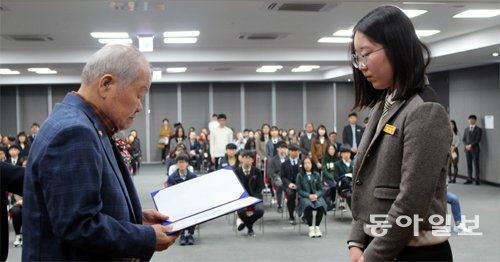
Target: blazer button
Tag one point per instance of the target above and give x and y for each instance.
(359, 182)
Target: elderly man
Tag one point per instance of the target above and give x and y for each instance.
(79, 200)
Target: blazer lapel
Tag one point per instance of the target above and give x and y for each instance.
(394, 109)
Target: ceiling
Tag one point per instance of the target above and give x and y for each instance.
(219, 54)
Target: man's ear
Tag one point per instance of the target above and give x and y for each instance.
(105, 83)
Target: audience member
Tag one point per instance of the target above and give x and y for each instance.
(3, 153)
(239, 141)
(328, 171)
(253, 182)
(134, 152)
(230, 158)
(163, 142)
(35, 127)
(343, 174)
(262, 142)
(318, 147)
(193, 149)
(81, 203)
(272, 144)
(219, 138)
(180, 175)
(137, 145)
(179, 137)
(310, 197)
(352, 133)
(333, 141)
(289, 170)
(306, 139)
(25, 144)
(274, 172)
(11, 180)
(14, 151)
(471, 139)
(453, 160)
(213, 124)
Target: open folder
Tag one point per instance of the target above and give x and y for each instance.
(202, 199)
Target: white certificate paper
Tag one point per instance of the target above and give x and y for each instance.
(201, 199)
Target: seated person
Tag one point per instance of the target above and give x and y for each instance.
(253, 182)
(343, 174)
(327, 167)
(171, 163)
(230, 158)
(193, 149)
(14, 158)
(310, 197)
(457, 215)
(274, 169)
(289, 170)
(180, 175)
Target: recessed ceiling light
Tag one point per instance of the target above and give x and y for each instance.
(180, 40)
(343, 32)
(335, 40)
(157, 74)
(146, 43)
(478, 13)
(38, 69)
(424, 33)
(269, 68)
(50, 72)
(109, 35)
(7, 71)
(305, 68)
(125, 41)
(176, 69)
(495, 54)
(414, 12)
(181, 34)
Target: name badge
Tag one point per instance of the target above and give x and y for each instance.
(389, 129)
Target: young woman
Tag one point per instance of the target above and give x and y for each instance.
(401, 162)
(452, 177)
(327, 169)
(165, 132)
(178, 138)
(23, 141)
(310, 197)
(261, 143)
(318, 147)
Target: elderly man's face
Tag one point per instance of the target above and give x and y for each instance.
(124, 102)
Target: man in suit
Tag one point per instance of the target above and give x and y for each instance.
(274, 171)
(193, 149)
(79, 197)
(306, 139)
(333, 141)
(11, 180)
(471, 139)
(253, 182)
(352, 133)
(35, 127)
(289, 170)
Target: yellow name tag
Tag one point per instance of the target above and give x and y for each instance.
(389, 129)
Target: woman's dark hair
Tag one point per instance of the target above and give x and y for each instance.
(26, 140)
(303, 168)
(250, 144)
(390, 27)
(176, 135)
(262, 137)
(327, 155)
(455, 130)
(325, 136)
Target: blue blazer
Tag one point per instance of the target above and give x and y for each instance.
(79, 200)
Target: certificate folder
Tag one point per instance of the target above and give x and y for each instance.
(202, 199)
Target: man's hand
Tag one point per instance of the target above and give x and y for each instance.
(356, 254)
(163, 241)
(313, 197)
(213, 160)
(354, 150)
(318, 165)
(292, 186)
(468, 147)
(151, 217)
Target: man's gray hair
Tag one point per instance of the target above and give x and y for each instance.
(122, 61)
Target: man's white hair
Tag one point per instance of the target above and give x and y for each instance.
(122, 61)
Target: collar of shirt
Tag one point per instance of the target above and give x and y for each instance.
(309, 135)
(347, 163)
(105, 120)
(246, 171)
